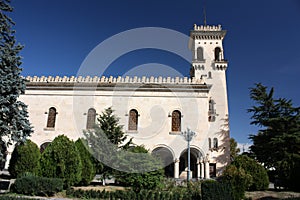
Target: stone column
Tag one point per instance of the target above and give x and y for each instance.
(207, 170)
(198, 169)
(202, 170)
(176, 168)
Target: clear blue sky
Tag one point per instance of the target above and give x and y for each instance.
(262, 43)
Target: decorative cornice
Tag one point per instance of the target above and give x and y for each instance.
(88, 83)
(111, 79)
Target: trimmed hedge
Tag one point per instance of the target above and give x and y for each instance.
(33, 185)
(25, 158)
(213, 190)
(61, 159)
(130, 194)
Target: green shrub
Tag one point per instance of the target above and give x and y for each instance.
(148, 180)
(88, 168)
(33, 185)
(260, 180)
(237, 179)
(61, 159)
(25, 158)
(213, 190)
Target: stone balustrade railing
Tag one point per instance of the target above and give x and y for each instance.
(111, 79)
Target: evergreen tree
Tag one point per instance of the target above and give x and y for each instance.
(88, 168)
(105, 140)
(277, 144)
(14, 124)
(25, 158)
(61, 159)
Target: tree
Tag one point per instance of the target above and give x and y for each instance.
(14, 123)
(260, 180)
(277, 144)
(149, 179)
(238, 179)
(61, 159)
(234, 150)
(25, 158)
(88, 168)
(105, 140)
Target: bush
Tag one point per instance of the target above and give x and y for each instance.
(25, 158)
(88, 168)
(237, 179)
(61, 159)
(149, 179)
(213, 190)
(260, 180)
(130, 194)
(33, 185)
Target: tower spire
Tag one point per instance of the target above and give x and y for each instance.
(204, 12)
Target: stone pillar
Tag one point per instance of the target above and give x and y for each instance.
(202, 170)
(176, 168)
(198, 169)
(207, 170)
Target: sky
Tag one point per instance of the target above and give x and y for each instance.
(262, 44)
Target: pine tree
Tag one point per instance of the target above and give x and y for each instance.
(105, 140)
(14, 123)
(277, 144)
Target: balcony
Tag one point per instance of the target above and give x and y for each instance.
(220, 64)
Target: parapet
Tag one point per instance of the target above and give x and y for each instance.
(111, 79)
(207, 28)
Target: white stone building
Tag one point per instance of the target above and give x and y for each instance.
(153, 110)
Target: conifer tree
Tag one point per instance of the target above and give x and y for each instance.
(277, 144)
(14, 123)
(105, 140)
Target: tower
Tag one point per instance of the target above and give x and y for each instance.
(209, 65)
(206, 44)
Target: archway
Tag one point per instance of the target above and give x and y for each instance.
(167, 159)
(183, 165)
(44, 146)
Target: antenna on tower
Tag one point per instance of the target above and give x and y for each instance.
(204, 12)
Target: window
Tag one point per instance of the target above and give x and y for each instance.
(209, 75)
(133, 120)
(200, 54)
(211, 111)
(217, 54)
(209, 143)
(51, 117)
(91, 118)
(176, 121)
(215, 143)
(212, 170)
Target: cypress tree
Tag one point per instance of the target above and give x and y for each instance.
(14, 123)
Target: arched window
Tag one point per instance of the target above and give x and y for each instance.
(209, 75)
(44, 146)
(200, 54)
(51, 117)
(91, 118)
(176, 121)
(216, 143)
(133, 120)
(217, 54)
(209, 143)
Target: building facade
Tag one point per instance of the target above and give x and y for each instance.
(154, 110)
